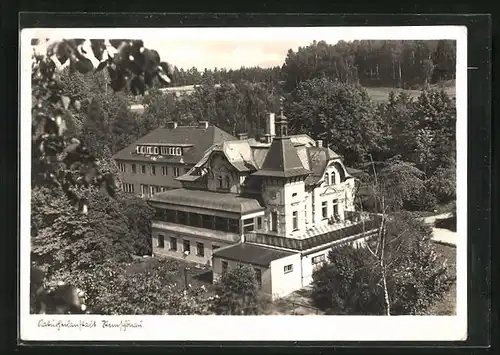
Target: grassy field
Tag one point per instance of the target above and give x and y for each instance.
(381, 94)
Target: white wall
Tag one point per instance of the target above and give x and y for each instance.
(308, 267)
(285, 283)
(294, 204)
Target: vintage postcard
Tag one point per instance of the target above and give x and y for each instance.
(261, 183)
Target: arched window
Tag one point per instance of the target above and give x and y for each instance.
(327, 179)
(219, 182)
(228, 182)
(332, 177)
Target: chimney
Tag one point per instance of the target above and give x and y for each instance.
(319, 143)
(203, 124)
(172, 124)
(242, 136)
(270, 128)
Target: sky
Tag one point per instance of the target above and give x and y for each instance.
(229, 54)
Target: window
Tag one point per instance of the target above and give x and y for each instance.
(153, 170)
(144, 190)
(207, 221)
(200, 249)
(248, 225)
(224, 266)
(228, 182)
(274, 221)
(295, 221)
(158, 189)
(335, 208)
(332, 181)
(182, 217)
(294, 194)
(176, 171)
(151, 190)
(186, 245)
(122, 167)
(134, 168)
(288, 268)
(128, 187)
(234, 225)
(327, 179)
(164, 171)
(318, 259)
(178, 151)
(259, 222)
(173, 244)
(219, 182)
(324, 209)
(143, 169)
(258, 276)
(161, 241)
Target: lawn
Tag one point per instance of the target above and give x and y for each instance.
(381, 94)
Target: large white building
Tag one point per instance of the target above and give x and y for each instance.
(279, 205)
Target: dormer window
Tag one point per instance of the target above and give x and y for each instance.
(228, 182)
(327, 179)
(178, 151)
(332, 181)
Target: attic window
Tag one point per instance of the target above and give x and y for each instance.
(294, 194)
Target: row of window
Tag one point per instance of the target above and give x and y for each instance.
(186, 245)
(192, 219)
(152, 150)
(152, 169)
(151, 190)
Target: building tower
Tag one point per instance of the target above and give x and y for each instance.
(283, 189)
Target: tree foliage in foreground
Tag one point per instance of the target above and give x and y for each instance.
(58, 158)
(135, 288)
(417, 276)
(237, 292)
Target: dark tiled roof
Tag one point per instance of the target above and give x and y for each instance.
(201, 138)
(251, 254)
(318, 159)
(227, 202)
(282, 160)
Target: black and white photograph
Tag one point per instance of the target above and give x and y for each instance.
(177, 175)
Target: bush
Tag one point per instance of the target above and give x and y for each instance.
(112, 289)
(347, 285)
(416, 274)
(237, 292)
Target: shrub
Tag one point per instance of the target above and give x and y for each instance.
(237, 292)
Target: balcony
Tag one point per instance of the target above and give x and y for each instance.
(359, 223)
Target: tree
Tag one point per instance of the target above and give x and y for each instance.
(132, 288)
(139, 216)
(237, 292)
(342, 116)
(416, 275)
(55, 153)
(76, 241)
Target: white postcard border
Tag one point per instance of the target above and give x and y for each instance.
(220, 328)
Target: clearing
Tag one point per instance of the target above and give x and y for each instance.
(381, 94)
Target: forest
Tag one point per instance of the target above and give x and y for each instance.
(85, 228)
